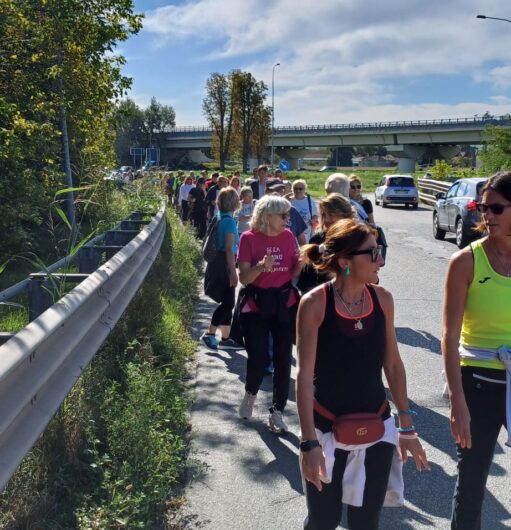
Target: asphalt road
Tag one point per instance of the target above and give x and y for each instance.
(248, 478)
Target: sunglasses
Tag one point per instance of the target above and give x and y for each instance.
(299, 189)
(496, 209)
(356, 187)
(375, 252)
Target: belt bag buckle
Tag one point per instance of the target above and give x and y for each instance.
(358, 428)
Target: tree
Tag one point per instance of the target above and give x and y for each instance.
(158, 119)
(341, 156)
(496, 154)
(130, 130)
(55, 54)
(249, 106)
(262, 129)
(218, 109)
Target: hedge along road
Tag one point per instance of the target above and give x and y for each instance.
(250, 478)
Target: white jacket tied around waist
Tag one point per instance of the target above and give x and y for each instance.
(354, 478)
(487, 354)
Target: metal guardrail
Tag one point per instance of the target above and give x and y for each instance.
(428, 189)
(40, 364)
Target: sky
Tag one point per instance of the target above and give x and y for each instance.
(341, 61)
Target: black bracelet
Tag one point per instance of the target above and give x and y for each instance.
(308, 445)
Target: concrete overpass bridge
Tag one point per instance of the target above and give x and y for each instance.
(407, 140)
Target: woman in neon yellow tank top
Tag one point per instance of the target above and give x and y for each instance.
(476, 345)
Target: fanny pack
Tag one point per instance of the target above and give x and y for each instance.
(355, 429)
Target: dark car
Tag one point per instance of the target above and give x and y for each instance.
(456, 210)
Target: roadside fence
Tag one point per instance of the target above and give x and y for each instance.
(428, 189)
(40, 364)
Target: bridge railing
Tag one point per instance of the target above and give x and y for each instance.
(40, 364)
(201, 131)
(428, 188)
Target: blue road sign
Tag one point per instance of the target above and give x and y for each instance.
(137, 151)
(284, 165)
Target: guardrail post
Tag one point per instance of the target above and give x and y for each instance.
(120, 237)
(133, 224)
(39, 296)
(88, 259)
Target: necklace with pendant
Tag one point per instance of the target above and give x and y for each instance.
(358, 324)
(508, 271)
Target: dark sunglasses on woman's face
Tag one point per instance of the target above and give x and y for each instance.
(496, 209)
(375, 252)
(355, 186)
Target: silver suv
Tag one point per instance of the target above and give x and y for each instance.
(396, 189)
(456, 211)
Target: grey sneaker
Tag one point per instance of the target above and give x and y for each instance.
(277, 423)
(247, 406)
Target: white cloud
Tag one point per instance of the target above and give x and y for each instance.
(343, 58)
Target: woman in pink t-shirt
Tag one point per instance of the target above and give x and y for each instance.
(268, 261)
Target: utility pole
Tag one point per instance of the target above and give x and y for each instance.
(273, 112)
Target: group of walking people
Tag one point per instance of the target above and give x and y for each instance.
(321, 291)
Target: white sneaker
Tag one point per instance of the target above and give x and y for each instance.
(277, 423)
(247, 406)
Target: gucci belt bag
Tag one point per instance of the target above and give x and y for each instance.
(355, 429)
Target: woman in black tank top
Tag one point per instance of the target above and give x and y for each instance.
(346, 338)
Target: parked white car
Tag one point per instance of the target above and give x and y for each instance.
(396, 189)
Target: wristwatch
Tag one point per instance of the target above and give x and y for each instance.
(308, 445)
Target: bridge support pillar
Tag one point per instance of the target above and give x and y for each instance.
(406, 165)
(293, 156)
(407, 154)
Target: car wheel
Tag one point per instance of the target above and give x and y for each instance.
(415, 205)
(462, 238)
(383, 204)
(438, 233)
(376, 201)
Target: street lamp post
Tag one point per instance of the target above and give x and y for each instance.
(493, 18)
(273, 112)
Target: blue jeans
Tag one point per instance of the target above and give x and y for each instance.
(487, 405)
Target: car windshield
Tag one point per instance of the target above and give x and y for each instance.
(402, 182)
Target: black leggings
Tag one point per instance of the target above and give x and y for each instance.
(487, 405)
(223, 313)
(256, 331)
(325, 506)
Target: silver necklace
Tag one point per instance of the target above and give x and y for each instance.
(358, 324)
(508, 271)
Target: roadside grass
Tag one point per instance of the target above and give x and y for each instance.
(115, 453)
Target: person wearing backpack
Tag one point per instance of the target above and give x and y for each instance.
(306, 207)
(221, 278)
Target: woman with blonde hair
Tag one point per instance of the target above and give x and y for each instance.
(268, 261)
(356, 195)
(332, 208)
(345, 338)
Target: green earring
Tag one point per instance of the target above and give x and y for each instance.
(347, 271)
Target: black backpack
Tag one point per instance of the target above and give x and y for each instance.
(209, 249)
